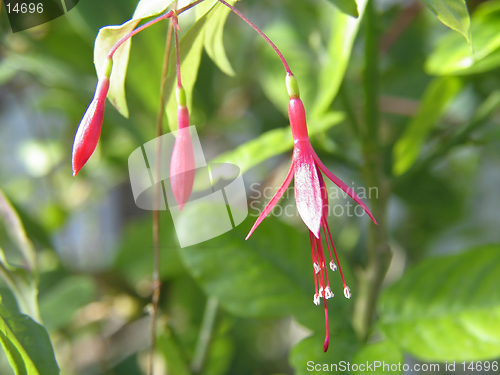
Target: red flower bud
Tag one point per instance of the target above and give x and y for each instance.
(182, 164)
(89, 130)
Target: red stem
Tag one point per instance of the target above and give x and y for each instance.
(139, 29)
(261, 33)
(177, 51)
(169, 14)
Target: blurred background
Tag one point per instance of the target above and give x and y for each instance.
(234, 307)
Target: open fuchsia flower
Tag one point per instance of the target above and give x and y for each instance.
(312, 199)
(89, 130)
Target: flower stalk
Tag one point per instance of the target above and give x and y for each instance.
(182, 164)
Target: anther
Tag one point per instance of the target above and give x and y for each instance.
(316, 267)
(316, 299)
(333, 266)
(328, 293)
(321, 293)
(347, 292)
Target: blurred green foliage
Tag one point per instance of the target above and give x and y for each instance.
(230, 306)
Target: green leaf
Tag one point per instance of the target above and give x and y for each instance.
(268, 276)
(16, 232)
(191, 48)
(106, 39)
(26, 344)
(454, 14)
(23, 285)
(436, 99)
(447, 308)
(272, 143)
(343, 34)
(307, 356)
(379, 354)
(214, 44)
(348, 7)
(66, 297)
(134, 265)
(453, 56)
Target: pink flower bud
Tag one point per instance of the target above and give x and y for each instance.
(89, 130)
(182, 165)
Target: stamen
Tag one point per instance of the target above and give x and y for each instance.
(333, 266)
(325, 224)
(347, 292)
(328, 293)
(335, 252)
(321, 292)
(316, 299)
(327, 336)
(313, 253)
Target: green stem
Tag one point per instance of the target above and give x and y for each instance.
(205, 335)
(378, 252)
(371, 72)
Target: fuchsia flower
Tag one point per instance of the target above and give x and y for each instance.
(182, 164)
(89, 130)
(312, 199)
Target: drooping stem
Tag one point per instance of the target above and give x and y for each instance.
(150, 23)
(156, 212)
(261, 33)
(378, 251)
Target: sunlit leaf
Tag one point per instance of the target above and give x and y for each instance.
(447, 308)
(435, 101)
(453, 56)
(346, 6)
(342, 36)
(453, 13)
(26, 344)
(272, 143)
(107, 38)
(214, 44)
(150, 8)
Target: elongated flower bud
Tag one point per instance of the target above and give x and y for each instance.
(89, 130)
(182, 164)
